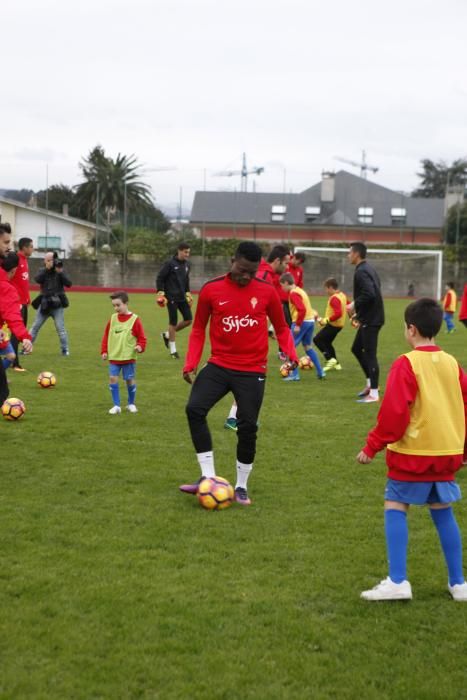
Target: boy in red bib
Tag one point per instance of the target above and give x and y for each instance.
(422, 424)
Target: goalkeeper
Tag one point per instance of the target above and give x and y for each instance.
(331, 324)
(173, 291)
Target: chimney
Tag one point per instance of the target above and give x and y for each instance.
(65, 209)
(32, 202)
(454, 195)
(328, 187)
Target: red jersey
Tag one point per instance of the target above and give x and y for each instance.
(265, 272)
(238, 330)
(20, 280)
(463, 309)
(10, 308)
(297, 273)
(137, 331)
(393, 420)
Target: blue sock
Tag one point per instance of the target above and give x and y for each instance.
(397, 539)
(115, 391)
(313, 355)
(131, 393)
(451, 542)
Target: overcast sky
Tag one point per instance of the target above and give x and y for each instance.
(193, 84)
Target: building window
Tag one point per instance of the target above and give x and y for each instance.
(365, 215)
(49, 242)
(278, 212)
(312, 213)
(398, 216)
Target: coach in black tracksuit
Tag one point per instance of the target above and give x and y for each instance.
(173, 291)
(366, 310)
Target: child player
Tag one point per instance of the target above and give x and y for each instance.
(303, 323)
(332, 323)
(422, 423)
(123, 339)
(449, 306)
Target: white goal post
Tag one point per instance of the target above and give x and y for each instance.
(437, 255)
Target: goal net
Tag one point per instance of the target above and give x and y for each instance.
(402, 272)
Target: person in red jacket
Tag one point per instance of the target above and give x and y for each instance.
(9, 307)
(295, 267)
(463, 309)
(422, 423)
(237, 306)
(20, 282)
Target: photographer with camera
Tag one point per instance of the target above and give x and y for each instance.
(52, 300)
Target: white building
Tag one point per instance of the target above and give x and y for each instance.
(47, 229)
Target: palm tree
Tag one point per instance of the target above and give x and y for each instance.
(115, 182)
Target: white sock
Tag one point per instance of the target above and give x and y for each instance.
(243, 472)
(206, 463)
(172, 346)
(368, 382)
(374, 393)
(233, 411)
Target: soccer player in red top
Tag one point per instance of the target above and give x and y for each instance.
(463, 309)
(295, 267)
(237, 306)
(20, 282)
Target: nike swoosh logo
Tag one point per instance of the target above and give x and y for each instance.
(221, 303)
(261, 379)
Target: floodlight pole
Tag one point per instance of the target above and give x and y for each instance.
(125, 226)
(97, 216)
(46, 207)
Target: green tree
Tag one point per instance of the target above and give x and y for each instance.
(113, 181)
(57, 196)
(437, 176)
(19, 195)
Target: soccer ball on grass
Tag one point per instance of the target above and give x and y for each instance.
(305, 363)
(215, 493)
(46, 380)
(285, 369)
(13, 409)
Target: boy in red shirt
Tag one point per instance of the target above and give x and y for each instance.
(123, 339)
(422, 424)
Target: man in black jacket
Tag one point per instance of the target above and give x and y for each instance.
(52, 299)
(173, 291)
(367, 314)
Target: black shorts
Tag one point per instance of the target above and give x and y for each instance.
(174, 306)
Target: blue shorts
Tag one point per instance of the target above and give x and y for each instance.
(128, 370)
(305, 334)
(418, 493)
(6, 350)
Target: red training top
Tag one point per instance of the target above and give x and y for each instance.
(137, 331)
(10, 308)
(297, 273)
(238, 329)
(392, 422)
(20, 280)
(463, 309)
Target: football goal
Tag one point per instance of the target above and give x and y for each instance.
(402, 272)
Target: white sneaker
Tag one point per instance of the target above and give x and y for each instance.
(388, 590)
(458, 591)
(132, 408)
(114, 410)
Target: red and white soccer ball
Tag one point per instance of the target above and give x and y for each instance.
(285, 369)
(46, 380)
(13, 409)
(215, 493)
(305, 363)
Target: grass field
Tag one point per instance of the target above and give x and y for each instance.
(115, 585)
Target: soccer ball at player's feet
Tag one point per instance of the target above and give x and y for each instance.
(305, 362)
(215, 493)
(13, 409)
(285, 369)
(46, 380)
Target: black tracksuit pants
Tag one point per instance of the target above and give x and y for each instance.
(211, 385)
(364, 348)
(324, 341)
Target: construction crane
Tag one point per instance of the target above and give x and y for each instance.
(244, 172)
(363, 165)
